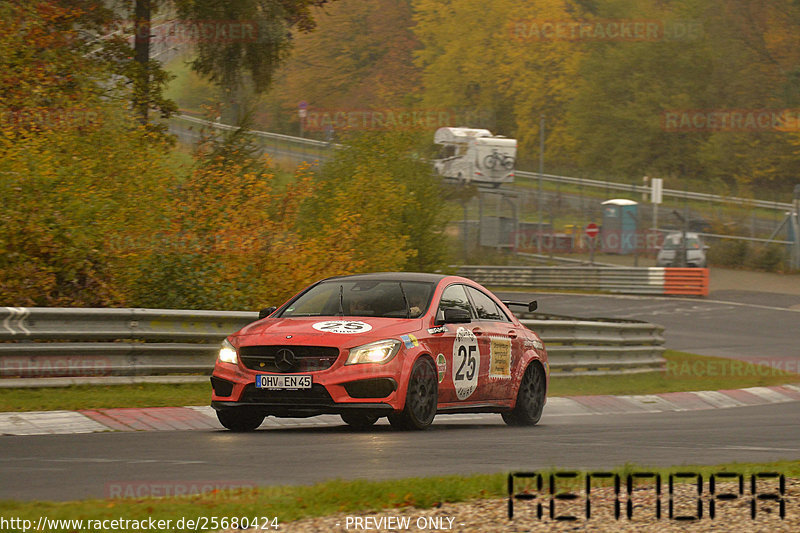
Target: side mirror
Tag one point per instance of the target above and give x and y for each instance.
(454, 315)
(264, 313)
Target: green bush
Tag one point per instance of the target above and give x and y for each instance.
(741, 254)
(770, 257)
(728, 253)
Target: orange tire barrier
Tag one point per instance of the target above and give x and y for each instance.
(686, 281)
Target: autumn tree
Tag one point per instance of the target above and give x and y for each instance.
(492, 58)
(722, 55)
(360, 56)
(60, 140)
(390, 199)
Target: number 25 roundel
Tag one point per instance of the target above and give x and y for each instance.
(466, 362)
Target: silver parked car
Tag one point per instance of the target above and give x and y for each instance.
(695, 251)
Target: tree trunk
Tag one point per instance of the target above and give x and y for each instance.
(141, 48)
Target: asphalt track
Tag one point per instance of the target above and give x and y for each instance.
(66, 467)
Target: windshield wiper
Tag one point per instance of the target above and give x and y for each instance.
(405, 300)
(341, 299)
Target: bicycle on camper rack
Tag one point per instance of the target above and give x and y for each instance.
(494, 159)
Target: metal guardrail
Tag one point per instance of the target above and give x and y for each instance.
(88, 344)
(581, 347)
(48, 342)
(689, 195)
(623, 280)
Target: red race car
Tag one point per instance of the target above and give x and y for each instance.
(406, 346)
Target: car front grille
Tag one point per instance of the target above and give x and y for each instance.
(288, 359)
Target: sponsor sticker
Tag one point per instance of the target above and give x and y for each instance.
(533, 343)
(500, 358)
(441, 366)
(437, 329)
(409, 340)
(466, 363)
(342, 326)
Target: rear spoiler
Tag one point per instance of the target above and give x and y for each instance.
(532, 306)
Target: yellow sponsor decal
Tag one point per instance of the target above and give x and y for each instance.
(500, 358)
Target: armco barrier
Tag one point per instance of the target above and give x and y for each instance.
(625, 280)
(691, 281)
(42, 342)
(85, 345)
(599, 346)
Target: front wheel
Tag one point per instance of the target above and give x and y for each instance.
(240, 419)
(489, 162)
(530, 398)
(422, 398)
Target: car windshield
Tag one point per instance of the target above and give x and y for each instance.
(673, 242)
(366, 298)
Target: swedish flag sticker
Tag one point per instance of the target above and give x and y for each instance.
(409, 340)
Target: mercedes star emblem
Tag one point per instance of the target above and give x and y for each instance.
(285, 359)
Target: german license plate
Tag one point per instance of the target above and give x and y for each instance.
(293, 381)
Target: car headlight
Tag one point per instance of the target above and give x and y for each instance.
(227, 353)
(374, 352)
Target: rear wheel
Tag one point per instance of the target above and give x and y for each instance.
(240, 419)
(421, 399)
(530, 398)
(359, 420)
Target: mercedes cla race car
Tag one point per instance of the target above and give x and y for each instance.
(406, 346)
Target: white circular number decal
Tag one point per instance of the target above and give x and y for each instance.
(342, 326)
(466, 363)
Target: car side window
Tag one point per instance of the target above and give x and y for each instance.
(454, 296)
(486, 308)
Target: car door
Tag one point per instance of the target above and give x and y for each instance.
(499, 343)
(456, 349)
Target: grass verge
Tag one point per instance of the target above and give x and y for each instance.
(683, 372)
(290, 503)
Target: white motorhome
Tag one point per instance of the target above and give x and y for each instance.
(475, 155)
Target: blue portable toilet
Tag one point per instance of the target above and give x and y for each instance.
(619, 232)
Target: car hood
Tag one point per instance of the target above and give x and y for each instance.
(323, 331)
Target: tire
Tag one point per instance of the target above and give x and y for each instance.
(508, 162)
(489, 162)
(359, 420)
(530, 398)
(422, 398)
(240, 419)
